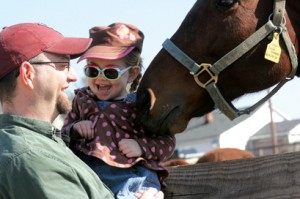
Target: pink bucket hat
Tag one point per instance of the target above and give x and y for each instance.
(114, 41)
(21, 42)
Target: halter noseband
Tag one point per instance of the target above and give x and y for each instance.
(277, 23)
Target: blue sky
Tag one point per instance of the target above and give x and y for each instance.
(158, 19)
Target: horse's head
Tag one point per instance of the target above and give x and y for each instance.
(168, 96)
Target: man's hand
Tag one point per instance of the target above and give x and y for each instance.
(151, 193)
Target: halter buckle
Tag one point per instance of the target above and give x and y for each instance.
(205, 68)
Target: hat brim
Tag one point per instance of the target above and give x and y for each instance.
(106, 52)
(74, 47)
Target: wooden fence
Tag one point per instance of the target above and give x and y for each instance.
(268, 177)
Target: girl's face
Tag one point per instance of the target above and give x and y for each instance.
(106, 89)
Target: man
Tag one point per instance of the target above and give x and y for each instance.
(34, 161)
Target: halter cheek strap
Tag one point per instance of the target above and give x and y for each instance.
(213, 70)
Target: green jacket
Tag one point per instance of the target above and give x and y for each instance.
(35, 163)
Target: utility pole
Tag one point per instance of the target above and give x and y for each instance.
(273, 130)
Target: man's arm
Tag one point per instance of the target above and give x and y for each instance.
(40, 176)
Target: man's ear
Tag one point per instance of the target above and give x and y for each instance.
(27, 74)
(133, 73)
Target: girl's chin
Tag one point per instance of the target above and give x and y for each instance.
(103, 97)
(102, 94)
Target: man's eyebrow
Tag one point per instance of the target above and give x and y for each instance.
(63, 57)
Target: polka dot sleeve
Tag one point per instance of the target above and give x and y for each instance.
(158, 148)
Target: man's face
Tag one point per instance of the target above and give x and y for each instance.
(53, 79)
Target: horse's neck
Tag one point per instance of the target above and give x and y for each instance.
(293, 5)
(293, 11)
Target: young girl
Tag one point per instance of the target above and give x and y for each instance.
(102, 124)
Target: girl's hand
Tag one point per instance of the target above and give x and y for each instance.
(130, 148)
(85, 129)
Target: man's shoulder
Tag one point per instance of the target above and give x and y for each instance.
(11, 146)
(23, 147)
(24, 160)
(13, 149)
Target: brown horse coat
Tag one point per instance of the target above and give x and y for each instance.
(168, 96)
(223, 154)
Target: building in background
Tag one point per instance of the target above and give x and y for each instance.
(288, 139)
(203, 135)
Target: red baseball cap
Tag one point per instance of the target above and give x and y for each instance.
(114, 41)
(21, 42)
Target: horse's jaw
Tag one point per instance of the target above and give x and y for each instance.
(162, 121)
(166, 117)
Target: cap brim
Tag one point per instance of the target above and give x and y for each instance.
(70, 46)
(106, 52)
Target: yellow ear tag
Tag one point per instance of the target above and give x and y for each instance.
(273, 50)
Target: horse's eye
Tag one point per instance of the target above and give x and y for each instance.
(226, 3)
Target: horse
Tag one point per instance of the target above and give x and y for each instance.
(224, 154)
(214, 155)
(222, 50)
(174, 162)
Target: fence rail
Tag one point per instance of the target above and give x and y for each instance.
(274, 176)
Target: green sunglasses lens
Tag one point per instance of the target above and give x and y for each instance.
(111, 73)
(91, 72)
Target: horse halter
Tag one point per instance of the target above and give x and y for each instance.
(276, 24)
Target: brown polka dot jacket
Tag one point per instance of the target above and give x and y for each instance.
(115, 122)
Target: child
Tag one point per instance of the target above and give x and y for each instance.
(102, 124)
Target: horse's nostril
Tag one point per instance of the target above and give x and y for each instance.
(146, 101)
(152, 98)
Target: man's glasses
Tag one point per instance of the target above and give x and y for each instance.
(60, 66)
(110, 72)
